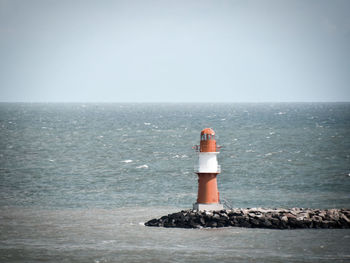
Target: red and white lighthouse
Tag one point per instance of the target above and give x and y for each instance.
(207, 170)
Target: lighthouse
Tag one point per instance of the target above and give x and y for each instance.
(207, 170)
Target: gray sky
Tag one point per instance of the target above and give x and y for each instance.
(174, 51)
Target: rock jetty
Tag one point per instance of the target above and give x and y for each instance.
(257, 218)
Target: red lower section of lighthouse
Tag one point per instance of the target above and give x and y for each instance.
(207, 189)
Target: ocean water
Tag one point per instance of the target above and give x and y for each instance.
(78, 180)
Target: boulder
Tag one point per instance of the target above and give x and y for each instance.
(152, 222)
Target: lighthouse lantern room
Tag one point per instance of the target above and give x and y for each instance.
(207, 170)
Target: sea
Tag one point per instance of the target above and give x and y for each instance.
(78, 180)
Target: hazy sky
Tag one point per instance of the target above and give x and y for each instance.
(174, 51)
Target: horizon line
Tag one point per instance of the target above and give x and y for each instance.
(168, 102)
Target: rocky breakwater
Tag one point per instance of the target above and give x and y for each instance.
(257, 218)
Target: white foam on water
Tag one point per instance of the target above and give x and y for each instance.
(108, 241)
(127, 161)
(272, 153)
(142, 166)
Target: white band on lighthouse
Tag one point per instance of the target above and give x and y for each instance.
(208, 163)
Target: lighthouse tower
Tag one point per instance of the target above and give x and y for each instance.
(207, 170)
